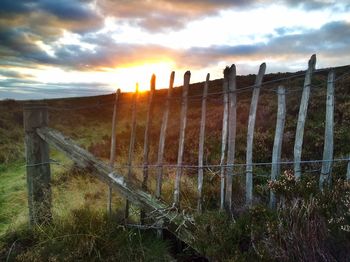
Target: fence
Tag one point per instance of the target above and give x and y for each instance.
(38, 136)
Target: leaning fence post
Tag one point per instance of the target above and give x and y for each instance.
(132, 142)
(183, 119)
(328, 137)
(146, 139)
(298, 144)
(277, 144)
(201, 144)
(162, 138)
(224, 138)
(231, 143)
(250, 134)
(37, 164)
(113, 149)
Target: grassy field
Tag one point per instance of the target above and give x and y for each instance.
(78, 194)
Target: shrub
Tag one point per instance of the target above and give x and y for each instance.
(85, 235)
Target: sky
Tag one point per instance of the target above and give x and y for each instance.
(51, 48)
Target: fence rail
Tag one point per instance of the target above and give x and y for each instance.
(38, 136)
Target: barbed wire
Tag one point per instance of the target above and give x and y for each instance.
(188, 166)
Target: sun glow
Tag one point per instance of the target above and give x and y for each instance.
(126, 78)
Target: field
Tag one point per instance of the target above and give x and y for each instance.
(77, 194)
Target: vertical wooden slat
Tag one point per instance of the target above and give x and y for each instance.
(250, 134)
(348, 170)
(132, 142)
(201, 144)
(37, 164)
(183, 119)
(299, 136)
(224, 138)
(162, 137)
(328, 137)
(231, 143)
(113, 149)
(146, 138)
(277, 144)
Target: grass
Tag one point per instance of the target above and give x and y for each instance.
(78, 194)
(83, 235)
(13, 196)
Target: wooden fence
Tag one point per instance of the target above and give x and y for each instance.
(38, 136)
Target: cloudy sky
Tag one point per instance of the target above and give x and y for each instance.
(58, 48)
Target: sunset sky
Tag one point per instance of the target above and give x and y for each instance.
(59, 48)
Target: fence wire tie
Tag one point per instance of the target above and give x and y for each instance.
(51, 161)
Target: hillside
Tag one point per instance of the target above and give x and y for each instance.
(87, 120)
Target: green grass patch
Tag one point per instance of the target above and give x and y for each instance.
(13, 196)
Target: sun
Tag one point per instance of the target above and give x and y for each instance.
(127, 77)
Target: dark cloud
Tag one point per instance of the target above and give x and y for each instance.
(27, 89)
(13, 74)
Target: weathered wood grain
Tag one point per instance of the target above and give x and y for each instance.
(299, 136)
(277, 144)
(37, 164)
(250, 134)
(180, 224)
(183, 120)
(201, 144)
(113, 149)
(146, 139)
(231, 143)
(326, 169)
(224, 138)
(162, 137)
(132, 142)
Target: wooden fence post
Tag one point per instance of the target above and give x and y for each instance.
(326, 169)
(146, 139)
(299, 136)
(162, 137)
(113, 149)
(201, 144)
(224, 138)
(277, 144)
(132, 142)
(183, 119)
(250, 134)
(37, 164)
(232, 117)
(348, 170)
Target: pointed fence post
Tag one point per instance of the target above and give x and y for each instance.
(328, 137)
(299, 136)
(224, 138)
(113, 149)
(162, 138)
(201, 144)
(250, 134)
(146, 140)
(277, 144)
(231, 143)
(37, 164)
(132, 142)
(183, 119)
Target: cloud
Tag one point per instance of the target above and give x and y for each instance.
(28, 89)
(163, 15)
(331, 40)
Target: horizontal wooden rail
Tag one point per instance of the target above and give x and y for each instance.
(176, 222)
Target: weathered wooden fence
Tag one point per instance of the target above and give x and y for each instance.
(38, 136)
